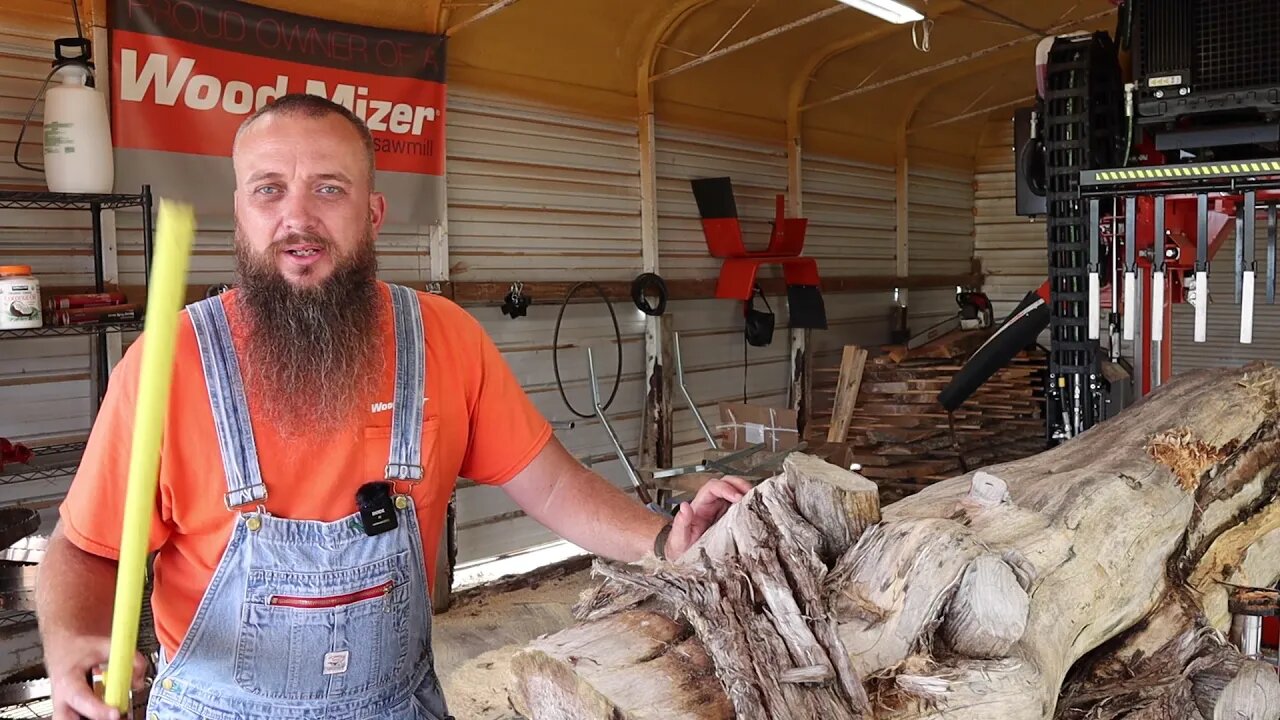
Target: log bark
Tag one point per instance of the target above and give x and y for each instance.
(1087, 581)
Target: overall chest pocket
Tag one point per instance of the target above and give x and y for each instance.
(377, 442)
(330, 635)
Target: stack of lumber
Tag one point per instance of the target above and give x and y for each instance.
(880, 407)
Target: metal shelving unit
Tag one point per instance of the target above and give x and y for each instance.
(27, 200)
(48, 462)
(62, 459)
(94, 203)
(27, 697)
(63, 330)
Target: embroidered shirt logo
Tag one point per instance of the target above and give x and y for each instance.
(386, 406)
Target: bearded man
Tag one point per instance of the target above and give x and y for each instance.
(318, 421)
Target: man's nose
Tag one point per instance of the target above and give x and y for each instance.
(299, 213)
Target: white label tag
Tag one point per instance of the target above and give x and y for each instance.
(335, 663)
(754, 433)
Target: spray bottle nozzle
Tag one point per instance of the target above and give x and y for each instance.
(83, 45)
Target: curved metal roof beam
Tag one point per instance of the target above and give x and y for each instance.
(967, 112)
(810, 18)
(649, 61)
(494, 7)
(800, 86)
(985, 110)
(434, 13)
(956, 60)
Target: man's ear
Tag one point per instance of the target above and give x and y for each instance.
(377, 210)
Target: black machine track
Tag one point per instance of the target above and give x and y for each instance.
(1082, 127)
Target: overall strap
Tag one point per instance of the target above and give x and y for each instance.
(405, 461)
(230, 407)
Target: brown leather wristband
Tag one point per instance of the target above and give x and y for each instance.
(660, 542)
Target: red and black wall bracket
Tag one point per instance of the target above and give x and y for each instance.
(723, 232)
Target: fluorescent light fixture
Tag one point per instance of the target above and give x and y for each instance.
(891, 10)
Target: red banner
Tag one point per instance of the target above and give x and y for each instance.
(185, 75)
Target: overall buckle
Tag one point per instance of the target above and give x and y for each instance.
(397, 473)
(252, 495)
(403, 471)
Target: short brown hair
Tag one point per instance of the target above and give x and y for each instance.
(313, 106)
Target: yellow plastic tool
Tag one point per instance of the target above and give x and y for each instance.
(166, 294)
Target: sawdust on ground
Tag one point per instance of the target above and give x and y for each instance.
(475, 640)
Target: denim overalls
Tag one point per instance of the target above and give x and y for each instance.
(306, 619)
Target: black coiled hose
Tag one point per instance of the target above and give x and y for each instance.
(555, 347)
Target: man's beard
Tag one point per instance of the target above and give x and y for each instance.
(313, 355)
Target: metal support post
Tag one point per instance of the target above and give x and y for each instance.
(1248, 605)
(1202, 266)
(1271, 254)
(99, 352)
(1158, 291)
(1248, 265)
(1130, 266)
(148, 242)
(1095, 288)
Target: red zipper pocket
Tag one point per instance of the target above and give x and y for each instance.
(332, 601)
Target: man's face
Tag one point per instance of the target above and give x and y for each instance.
(302, 200)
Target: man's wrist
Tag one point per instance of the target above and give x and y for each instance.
(660, 541)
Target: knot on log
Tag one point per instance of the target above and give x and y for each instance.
(988, 613)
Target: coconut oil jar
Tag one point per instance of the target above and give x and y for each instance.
(19, 298)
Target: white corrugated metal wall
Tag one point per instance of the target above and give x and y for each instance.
(852, 226)
(850, 207)
(940, 237)
(537, 194)
(1012, 249)
(1222, 346)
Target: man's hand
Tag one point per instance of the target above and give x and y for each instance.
(709, 505)
(582, 507)
(74, 597)
(69, 663)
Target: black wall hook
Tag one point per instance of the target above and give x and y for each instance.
(516, 303)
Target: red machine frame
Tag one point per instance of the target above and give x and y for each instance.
(1181, 239)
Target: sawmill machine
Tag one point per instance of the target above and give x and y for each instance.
(1144, 152)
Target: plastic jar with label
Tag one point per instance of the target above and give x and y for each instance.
(19, 298)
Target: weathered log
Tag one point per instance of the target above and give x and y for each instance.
(752, 591)
(632, 659)
(1089, 580)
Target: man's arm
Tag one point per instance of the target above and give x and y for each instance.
(554, 488)
(587, 510)
(75, 590)
(75, 593)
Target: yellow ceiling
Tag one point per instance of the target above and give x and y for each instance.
(588, 55)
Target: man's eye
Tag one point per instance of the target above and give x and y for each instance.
(266, 190)
(330, 189)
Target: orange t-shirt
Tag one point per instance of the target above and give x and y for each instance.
(478, 424)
